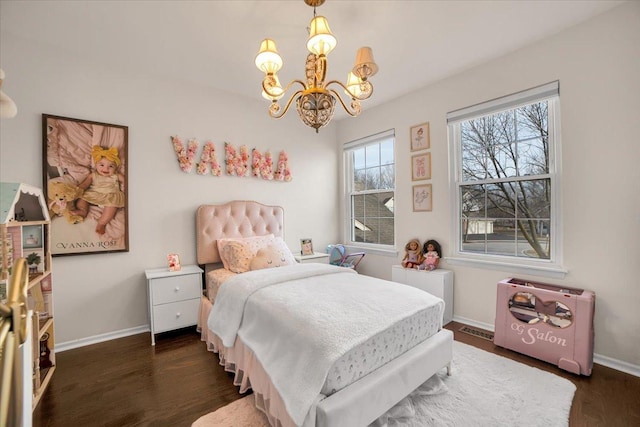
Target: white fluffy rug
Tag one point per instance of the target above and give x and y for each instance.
(484, 390)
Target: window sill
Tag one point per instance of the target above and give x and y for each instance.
(372, 250)
(551, 270)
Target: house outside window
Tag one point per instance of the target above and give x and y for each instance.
(505, 180)
(369, 165)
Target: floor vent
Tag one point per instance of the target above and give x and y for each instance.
(480, 333)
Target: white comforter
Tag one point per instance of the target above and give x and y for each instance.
(298, 320)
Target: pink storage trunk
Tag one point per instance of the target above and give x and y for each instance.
(548, 322)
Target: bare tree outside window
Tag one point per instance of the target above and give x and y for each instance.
(505, 192)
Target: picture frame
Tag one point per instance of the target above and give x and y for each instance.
(421, 167)
(32, 236)
(420, 139)
(422, 198)
(306, 247)
(83, 221)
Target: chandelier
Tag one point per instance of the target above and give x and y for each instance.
(316, 102)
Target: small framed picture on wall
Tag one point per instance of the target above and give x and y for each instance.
(421, 167)
(422, 200)
(420, 137)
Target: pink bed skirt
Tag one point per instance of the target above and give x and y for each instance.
(248, 371)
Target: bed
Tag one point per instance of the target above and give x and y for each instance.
(394, 346)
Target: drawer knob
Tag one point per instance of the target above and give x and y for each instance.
(177, 288)
(178, 314)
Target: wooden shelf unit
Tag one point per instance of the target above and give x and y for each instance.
(24, 233)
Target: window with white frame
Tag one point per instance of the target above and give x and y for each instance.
(505, 179)
(370, 189)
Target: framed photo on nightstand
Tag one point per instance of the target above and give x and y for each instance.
(306, 247)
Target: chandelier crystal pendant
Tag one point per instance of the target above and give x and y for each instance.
(316, 102)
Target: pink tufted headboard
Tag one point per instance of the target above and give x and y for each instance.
(240, 218)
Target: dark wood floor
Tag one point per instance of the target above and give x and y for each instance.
(127, 382)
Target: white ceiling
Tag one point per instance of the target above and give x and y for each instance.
(214, 43)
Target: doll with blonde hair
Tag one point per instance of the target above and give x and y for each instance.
(102, 187)
(413, 254)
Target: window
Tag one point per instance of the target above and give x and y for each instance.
(505, 179)
(370, 189)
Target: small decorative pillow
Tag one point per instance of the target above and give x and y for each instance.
(268, 257)
(283, 250)
(242, 252)
(238, 256)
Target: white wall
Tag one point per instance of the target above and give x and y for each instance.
(106, 293)
(598, 66)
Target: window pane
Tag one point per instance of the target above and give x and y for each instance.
(502, 161)
(501, 200)
(532, 157)
(474, 156)
(533, 199)
(371, 233)
(387, 177)
(386, 153)
(371, 206)
(359, 178)
(373, 155)
(532, 121)
(358, 159)
(373, 218)
(503, 239)
(373, 179)
(472, 201)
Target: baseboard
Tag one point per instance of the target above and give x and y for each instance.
(609, 362)
(618, 365)
(471, 322)
(70, 345)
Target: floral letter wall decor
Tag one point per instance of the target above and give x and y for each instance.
(262, 165)
(207, 158)
(237, 163)
(185, 156)
(282, 172)
(236, 160)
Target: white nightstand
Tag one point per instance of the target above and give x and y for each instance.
(316, 257)
(174, 298)
(438, 282)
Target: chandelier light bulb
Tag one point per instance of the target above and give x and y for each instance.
(320, 41)
(353, 86)
(268, 59)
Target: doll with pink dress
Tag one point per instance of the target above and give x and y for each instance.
(432, 254)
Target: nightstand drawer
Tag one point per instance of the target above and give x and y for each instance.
(177, 288)
(167, 317)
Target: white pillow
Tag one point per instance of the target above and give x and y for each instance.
(268, 257)
(237, 253)
(283, 250)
